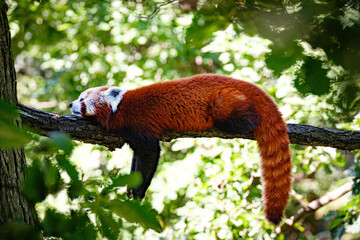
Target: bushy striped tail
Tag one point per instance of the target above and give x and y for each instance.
(273, 143)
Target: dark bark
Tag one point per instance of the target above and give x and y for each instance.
(13, 205)
(88, 131)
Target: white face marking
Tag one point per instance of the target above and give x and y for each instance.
(75, 106)
(90, 107)
(113, 96)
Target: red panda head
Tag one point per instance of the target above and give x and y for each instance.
(94, 100)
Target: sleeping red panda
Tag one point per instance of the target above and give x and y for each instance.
(196, 103)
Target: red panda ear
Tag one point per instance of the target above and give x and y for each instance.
(114, 92)
(114, 96)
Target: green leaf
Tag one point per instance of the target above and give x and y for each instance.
(75, 190)
(109, 226)
(55, 223)
(19, 231)
(312, 78)
(77, 226)
(357, 171)
(299, 227)
(11, 135)
(202, 29)
(76, 187)
(62, 141)
(52, 178)
(132, 180)
(327, 169)
(33, 185)
(7, 111)
(68, 167)
(42, 178)
(254, 192)
(335, 223)
(283, 57)
(134, 212)
(338, 232)
(63, 27)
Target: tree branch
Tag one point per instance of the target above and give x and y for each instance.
(89, 131)
(315, 205)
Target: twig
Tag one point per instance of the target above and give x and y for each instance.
(156, 9)
(315, 205)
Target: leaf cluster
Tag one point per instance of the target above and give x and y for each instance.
(213, 190)
(11, 135)
(316, 40)
(98, 208)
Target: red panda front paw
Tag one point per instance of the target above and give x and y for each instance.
(137, 193)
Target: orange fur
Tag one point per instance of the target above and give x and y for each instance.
(196, 104)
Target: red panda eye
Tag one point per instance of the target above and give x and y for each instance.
(81, 99)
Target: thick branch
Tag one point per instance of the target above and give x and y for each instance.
(315, 205)
(88, 131)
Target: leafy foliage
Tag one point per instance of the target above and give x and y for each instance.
(203, 188)
(52, 173)
(348, 214)
(332, 28)
(139, 214)
(10, 135)
(19, 231)
(312, 78)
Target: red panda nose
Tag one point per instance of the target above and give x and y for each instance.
(70, 105)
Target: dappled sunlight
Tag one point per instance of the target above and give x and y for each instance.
(204, 188)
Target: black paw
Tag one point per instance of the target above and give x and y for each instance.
(137, 194)
(130, 193)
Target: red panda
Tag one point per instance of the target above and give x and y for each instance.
(196, 103)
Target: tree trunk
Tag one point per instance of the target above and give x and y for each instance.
(14, 207)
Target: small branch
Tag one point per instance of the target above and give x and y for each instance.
(89, 131)
(156, 9)
(315, 205)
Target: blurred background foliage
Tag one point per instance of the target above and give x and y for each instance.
(305, 54)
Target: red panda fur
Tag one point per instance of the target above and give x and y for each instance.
(197, 103)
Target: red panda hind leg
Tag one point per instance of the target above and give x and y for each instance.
(232, 112)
